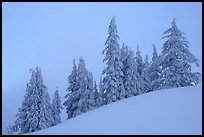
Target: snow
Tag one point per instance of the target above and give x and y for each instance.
(169, 111)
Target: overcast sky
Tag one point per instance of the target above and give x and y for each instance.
(51, 35)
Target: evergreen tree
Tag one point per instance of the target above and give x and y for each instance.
(154, 68)
(154, 57)
(56, 108)
(35, 112)
(139, 62)
(91, 94)
(97, 96)
(133, 82)
(145, 76)
(101, 90)
(95, 87)
(113, 88)
(73, 95)
(84, 89)
(101, 86)
(80, 96)
(175, 61)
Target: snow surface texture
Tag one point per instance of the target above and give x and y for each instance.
(169, 111)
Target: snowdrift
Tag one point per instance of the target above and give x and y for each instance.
(171, 111)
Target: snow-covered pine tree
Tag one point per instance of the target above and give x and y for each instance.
(101, 90)
(113, 88)
(91, 93)
(97, 96)
(80, 91)
(145, 75)
(139, 61)
(126, 71)
(56, 108)
(154, 68)
(155, 55)
(101, 86)
(132, 81)
(175, 61)
(124, 53)
(73, 95)
(35, 112)
(84, 89)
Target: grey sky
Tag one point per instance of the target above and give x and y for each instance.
(51, 35)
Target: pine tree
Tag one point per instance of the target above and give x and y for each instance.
(133, 82)
(95, 87)
(91, 94)
(101, 86)
(175, 61)
(113, 88)
(154, 68)
(80, 98)
(145, 75)
(84, 89)
(97, 96)
(101, 90)
(139, 61)
(154, 57)
(73, 95)
(56, 108)
(35, 112)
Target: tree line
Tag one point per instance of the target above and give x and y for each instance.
(126, 74)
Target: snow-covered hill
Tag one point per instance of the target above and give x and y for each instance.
(171, 111)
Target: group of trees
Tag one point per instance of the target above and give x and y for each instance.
(82, 91)
(37, 112)
(126, 74)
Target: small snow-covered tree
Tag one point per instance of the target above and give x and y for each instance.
(101, 90)
(91, 92)
(145, 75)
(73, 95)
(95, 87)
(113, 88)
(97, 96)
(80, 96)
(133, 82)
(139, 62)
(101, 86)
(35, 112)
(175, 61)
(155, 55)
(56, 108)
(154, 68)
(84, 87)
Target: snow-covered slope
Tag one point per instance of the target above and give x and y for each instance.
(172, 111)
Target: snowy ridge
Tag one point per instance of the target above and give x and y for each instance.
(169, 111)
